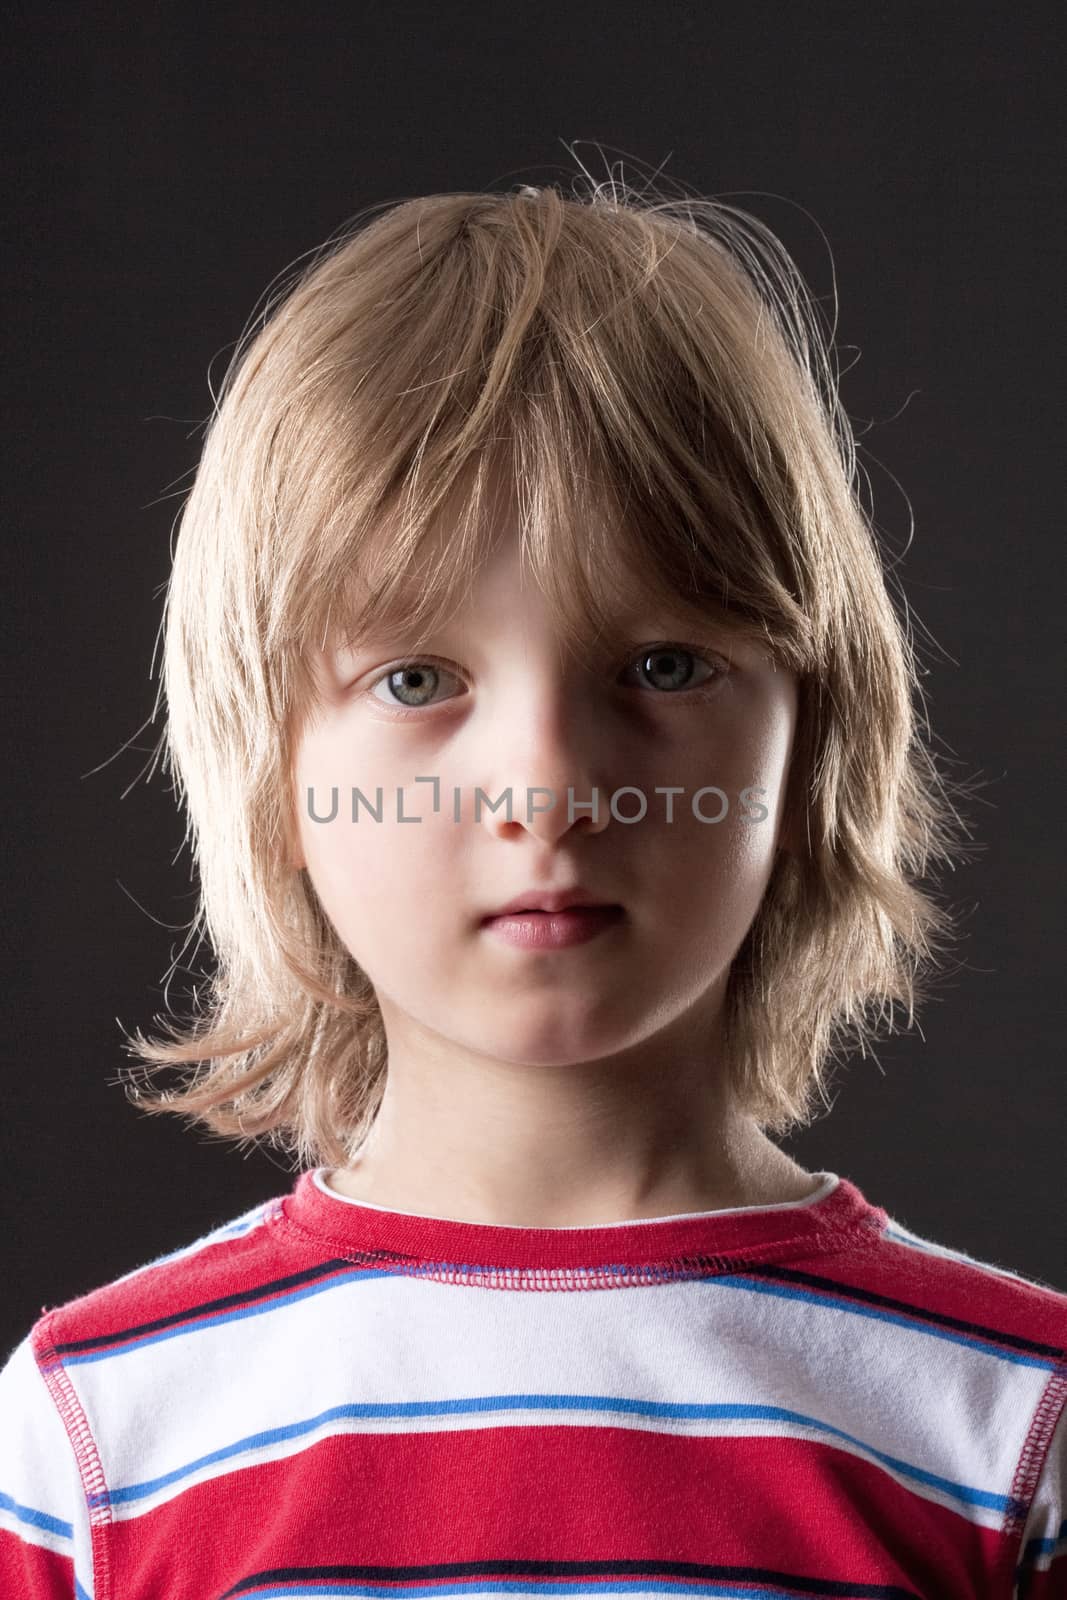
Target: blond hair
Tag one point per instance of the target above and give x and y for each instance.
(653, 376)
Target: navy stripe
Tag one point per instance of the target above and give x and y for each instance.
(204, 1308)
(695, 1575)
(922, 1314)
(377, 1262)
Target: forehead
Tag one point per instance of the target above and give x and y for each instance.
(604, 579)
(629, 600)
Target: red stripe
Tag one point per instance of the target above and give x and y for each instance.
(561, 1493)
(29, 1573)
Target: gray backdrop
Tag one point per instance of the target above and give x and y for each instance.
(168, 161)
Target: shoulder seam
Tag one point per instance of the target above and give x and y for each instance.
(1032, 1457)
(90, 1468)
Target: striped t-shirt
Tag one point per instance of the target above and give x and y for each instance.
(326, 1397)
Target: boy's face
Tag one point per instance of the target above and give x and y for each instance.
(509, 708)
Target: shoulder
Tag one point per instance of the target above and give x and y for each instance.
(44, 1523)
(1004, 1369)
(1004, 1329)
(99, 1363)
(958, 1364)
(973, 1285)
(153, 1299)
(63, 1405)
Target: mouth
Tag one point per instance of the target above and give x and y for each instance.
(533, 902)
(542, 911)
(533, 929)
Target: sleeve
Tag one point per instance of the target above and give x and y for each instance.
(1042, 1570)
(45, 1536)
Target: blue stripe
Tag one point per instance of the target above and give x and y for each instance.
(838, 1300)
(914, 1324)
(222, 1318)
(36, 1519)
(1044, 1547)
(480, 1404)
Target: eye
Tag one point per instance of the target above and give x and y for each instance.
(411, 685)
(414, 679)
(672, 664)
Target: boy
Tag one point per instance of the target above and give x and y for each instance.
(546, 732)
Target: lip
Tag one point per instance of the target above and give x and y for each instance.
(554, 930)
(551, 900)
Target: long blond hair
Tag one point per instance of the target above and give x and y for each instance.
(654, 376)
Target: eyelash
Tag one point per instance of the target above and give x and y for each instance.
(701, 691)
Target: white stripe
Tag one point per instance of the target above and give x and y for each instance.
(947, 1408)
(42, 1538)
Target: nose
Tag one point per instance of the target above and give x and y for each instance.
(550, 765)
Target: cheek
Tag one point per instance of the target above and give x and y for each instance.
(708, 879)
(377, 877)
(731, 855)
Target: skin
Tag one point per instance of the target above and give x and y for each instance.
(552, 1088)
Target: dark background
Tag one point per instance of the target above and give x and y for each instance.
(168, 161)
